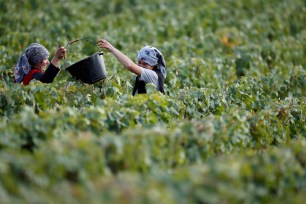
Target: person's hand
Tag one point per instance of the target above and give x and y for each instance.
(102, 43)
(60, 52)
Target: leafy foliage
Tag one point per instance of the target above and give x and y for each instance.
(230, 128)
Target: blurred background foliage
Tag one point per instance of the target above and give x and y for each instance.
(230, 128)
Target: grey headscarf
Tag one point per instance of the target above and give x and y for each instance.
(153, 57)
(34, 54)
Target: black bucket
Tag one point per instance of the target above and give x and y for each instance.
(89, 70)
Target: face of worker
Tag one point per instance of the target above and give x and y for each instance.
(143, 64)
(42, 65)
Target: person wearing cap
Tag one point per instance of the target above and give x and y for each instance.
(32, 63)
(150, 67)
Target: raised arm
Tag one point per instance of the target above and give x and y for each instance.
(53, 68)
(59, 54)
(123, 59)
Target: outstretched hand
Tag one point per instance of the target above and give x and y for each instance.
(102, 43)
(60, 52)
(123, 59)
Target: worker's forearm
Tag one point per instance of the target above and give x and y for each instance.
(55, 61)
(123, 59)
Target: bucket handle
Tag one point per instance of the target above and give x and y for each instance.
(76, 40)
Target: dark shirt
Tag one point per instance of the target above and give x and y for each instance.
(48, 76)
(141, 85)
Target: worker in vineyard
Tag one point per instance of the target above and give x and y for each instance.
(150, 67)
(32, 63)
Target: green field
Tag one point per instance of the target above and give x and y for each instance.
(230, 128)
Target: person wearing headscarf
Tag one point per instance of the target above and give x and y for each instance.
(32, 63)
(150, 67)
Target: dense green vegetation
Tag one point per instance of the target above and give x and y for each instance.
(230, 128)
